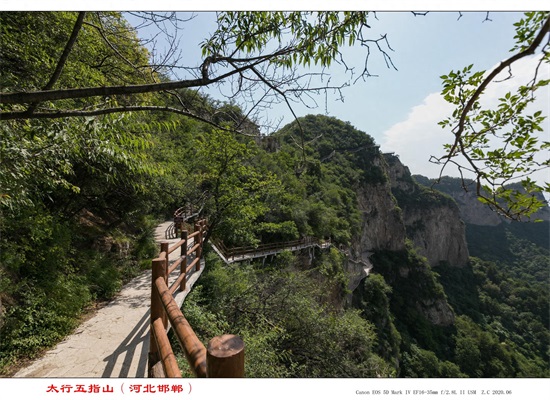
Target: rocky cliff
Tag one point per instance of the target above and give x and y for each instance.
(432, 219)
(398, 209)
(472, 211)
(376, 201)
(382, 222)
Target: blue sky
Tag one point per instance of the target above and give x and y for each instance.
(425, 47)
(400, 108)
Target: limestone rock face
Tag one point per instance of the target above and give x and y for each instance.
(357, 271)
(382, 224)
(432, 219)
(437, 311)
(439, 235)
(472, 211)
(397, 210)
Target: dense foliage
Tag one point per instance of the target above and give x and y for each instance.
(485, 336)
(79, 198)
(286, 318)
(502, 330)
(75, 214)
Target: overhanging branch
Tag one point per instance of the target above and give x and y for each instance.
(77, 93)
(503, 65)
(105, 91)
(17, 115)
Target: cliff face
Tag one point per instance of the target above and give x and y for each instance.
(472, 211)
(350, 162)
(399, 209)
(490, 236)
(382, 223)
(432, 220)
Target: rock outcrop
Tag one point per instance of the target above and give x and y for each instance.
(392, 209)
(437, 311)
(399, 209)
(472, 211)
(382, 222)
(432, 219)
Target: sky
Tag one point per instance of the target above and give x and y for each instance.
(400, 108)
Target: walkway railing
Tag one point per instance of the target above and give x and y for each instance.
(235, 254)
(224, 356)
(181, 215)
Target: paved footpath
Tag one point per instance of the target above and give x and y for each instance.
(113, 343)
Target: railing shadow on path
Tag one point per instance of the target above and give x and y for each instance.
(122, 362)
(130, 358)
(139, 336)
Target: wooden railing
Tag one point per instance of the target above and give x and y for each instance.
(181, 215)
(233, 253)
(224, 356)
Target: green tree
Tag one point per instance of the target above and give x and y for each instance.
(420, 363)
(232, 188)
(73, 192)
(373, 300)
(292, 333)
(236, 53)
(45, 50)
(501, 145)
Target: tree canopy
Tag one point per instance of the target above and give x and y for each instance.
(263, 58)
(502, 145)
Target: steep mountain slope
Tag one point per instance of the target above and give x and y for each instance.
(432, 218)
(490, 236)
(349, 157)
(426, 309)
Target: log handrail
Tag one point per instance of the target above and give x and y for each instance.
(194, 350)
(225, 354)
(169, 363)
(182, 215)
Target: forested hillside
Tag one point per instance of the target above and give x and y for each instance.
(507, 286)
(80, 197)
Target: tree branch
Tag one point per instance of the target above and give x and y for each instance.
(277, 90)
(104, 111)
(66, 51)
(503, 65)
(101, 31)
(77, 93)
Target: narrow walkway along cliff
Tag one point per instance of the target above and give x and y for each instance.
(114, 343)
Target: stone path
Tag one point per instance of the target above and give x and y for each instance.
(114, 343)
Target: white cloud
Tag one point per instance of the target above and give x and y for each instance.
(419, 136)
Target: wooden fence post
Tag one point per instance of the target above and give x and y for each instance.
(157, 311)
(164, 246)
(184, 261)
(198, 253)
(225, 357)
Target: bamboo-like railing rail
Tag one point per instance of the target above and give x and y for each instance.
(224, 356)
